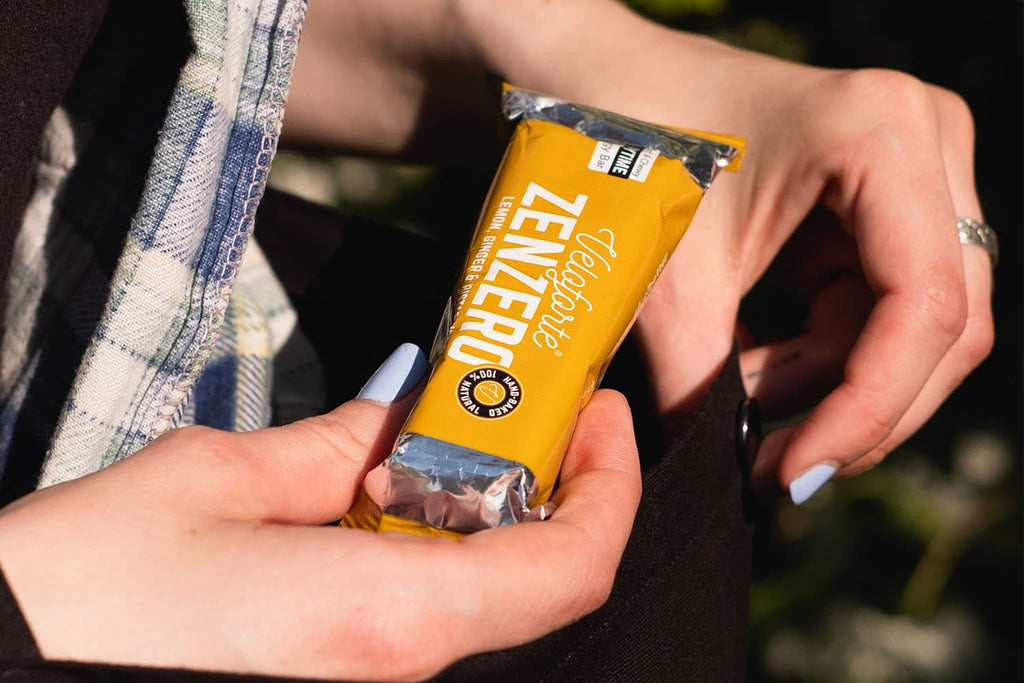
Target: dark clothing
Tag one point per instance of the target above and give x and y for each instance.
(41, 46)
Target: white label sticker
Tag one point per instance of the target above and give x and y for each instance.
(622, 161)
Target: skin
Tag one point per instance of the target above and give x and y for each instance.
(203, 521)
(859, 174)
(225, 557)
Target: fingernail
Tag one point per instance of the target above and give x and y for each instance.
(805, 486)
(396, 376)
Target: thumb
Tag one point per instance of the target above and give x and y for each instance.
(309, 471)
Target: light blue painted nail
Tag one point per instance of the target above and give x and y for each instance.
(805, 486)
(396, 376)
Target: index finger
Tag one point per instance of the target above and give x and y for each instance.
(558, 570)
(894, 191)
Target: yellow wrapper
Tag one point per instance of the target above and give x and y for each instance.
(584, 211)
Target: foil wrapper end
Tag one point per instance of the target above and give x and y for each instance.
(702, 158)
(459, 489)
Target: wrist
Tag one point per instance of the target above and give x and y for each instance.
(552, 47)
(604, 54)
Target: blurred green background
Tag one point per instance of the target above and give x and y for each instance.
(912, 571)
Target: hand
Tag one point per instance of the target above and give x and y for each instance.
(212, 550)
(900, 312)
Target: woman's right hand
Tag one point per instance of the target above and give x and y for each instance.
(213, 550)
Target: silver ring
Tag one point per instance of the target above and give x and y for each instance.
(979, 234)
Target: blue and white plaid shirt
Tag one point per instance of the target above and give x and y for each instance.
(114, 338)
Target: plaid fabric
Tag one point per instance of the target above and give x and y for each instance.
(138, 301)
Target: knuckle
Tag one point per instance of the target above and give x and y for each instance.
(954, 113)
(881, 109)
(413, 655)
(591, 593)
(599, 591)
(872, 458)
(387, 645)
(878, 426)
(978, 338)
(944, 303)
(582, 575)
(215, 464)
(877, 421)
(191, 435)
(213, 446)
(336, 435)
(594, 582)
(884, 91)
